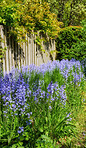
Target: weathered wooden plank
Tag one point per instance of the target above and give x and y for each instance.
(15, 54)
(28, 59)
(13, 61)
(10, 54)
(34, 49)
(3, 46)
(21, 53)
(26, 53)
(30, 51)
(18, 50)
(7, 52)
(0, 52)
(0, 35)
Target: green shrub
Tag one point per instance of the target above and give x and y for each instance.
(77, 51)
(71, 43)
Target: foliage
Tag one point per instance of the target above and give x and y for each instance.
(78, 51)
(26, 16)
(70, 12)
(2, 52)
(45, 141)
(71, 43)
(36, 106)
(83, 63)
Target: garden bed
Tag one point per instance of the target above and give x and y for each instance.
(42, 106)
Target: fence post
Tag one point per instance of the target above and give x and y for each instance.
(2, 47)
(7, 51)
(34, 49)
(0, 52)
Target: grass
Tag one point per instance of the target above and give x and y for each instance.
(80, 122)
(79, 140)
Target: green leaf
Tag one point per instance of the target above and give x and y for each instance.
(41, 130)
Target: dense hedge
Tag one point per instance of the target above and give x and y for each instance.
(71, 43)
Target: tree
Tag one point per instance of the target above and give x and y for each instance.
(70, 12)
(30, 15)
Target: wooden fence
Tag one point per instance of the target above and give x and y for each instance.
(24, 53)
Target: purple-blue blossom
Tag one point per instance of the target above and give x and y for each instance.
(21, 129)
(62, 94)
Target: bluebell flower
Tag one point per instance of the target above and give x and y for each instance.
(68, 115)
(48, 95)
(52, 99)
(69, 119)
(21, 129)
(62, 95)
(42, 94)
(50, 107)
(28, 115)
(28, 122)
